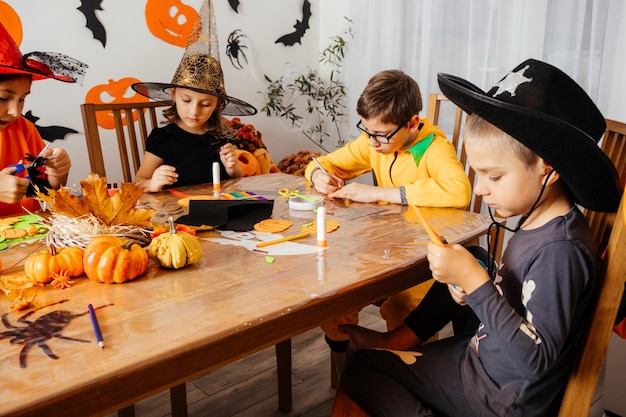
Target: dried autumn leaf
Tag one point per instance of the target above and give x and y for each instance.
(96, 193)
(124, 202)
(117, 210)
(61, 201)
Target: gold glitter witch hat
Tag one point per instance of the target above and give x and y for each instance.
(200, 68)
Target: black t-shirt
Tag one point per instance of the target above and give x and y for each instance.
(192, 155)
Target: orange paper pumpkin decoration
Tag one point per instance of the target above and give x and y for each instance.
(114, 92)
(249, 164)
(170, 20)
(11, 22)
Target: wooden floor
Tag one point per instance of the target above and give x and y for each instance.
(248, 387)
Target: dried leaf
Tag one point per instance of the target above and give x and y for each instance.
(117, 210)
(96, 193)
(61, 201)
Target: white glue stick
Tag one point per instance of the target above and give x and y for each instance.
(217, 186)
(321, 226)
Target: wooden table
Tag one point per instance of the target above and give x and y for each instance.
(168, 326)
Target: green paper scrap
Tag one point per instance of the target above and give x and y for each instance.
(269, 259)
(24, 221)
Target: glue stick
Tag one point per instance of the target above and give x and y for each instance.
(217, 186)
(321, 226)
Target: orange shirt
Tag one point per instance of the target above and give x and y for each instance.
(17, 139)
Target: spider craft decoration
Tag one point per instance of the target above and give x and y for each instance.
(235, 49)
(38, 332)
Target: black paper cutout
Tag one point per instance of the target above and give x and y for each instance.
(300, 27)
(36, 333)
(88, 8)
(235, 49)
(234, 4)
(49, 133)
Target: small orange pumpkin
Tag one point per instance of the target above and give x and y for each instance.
(249, 164)
(42, 267)
(111, 259)
(114, 92)
(170, 20)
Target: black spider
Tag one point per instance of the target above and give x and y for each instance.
(40, 331)
(235, 48)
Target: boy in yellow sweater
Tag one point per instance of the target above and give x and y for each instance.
(413, 163)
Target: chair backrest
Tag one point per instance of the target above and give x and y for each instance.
(131, 137)
(614, 145)
(458, 117)
(592, 349)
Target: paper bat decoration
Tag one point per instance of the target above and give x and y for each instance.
(300, 27)
(88, 8)
(49, 133)
(234, 4)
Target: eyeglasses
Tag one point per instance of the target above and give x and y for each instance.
(376, 136)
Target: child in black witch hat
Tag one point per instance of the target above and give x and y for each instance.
(532, 140)
(182, 152)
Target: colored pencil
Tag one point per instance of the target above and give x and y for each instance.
(96, 326)
(282, 239)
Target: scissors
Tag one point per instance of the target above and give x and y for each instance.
(37, 161)
(286, 192)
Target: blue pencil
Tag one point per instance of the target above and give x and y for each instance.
(96, 326)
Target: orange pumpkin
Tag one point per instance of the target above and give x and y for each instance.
(170, 20)
(111, 259)
(42, 267)
(249, 164)
(11, 22)
(114, 92)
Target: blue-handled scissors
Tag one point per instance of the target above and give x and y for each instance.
(37, 160)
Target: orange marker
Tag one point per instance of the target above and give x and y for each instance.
(434, 237)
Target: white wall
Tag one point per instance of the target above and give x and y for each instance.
(132, 51)
(612, 96)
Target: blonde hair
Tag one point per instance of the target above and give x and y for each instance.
(479, 130)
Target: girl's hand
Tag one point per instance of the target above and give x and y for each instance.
(228, 156)
(453, 264)
(12, 188)
(162, 176)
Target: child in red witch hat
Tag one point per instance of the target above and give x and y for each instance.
(20, 142)
(532, 140)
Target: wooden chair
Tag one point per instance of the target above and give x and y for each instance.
(609, 231)
(614, 145)
(131, 137)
